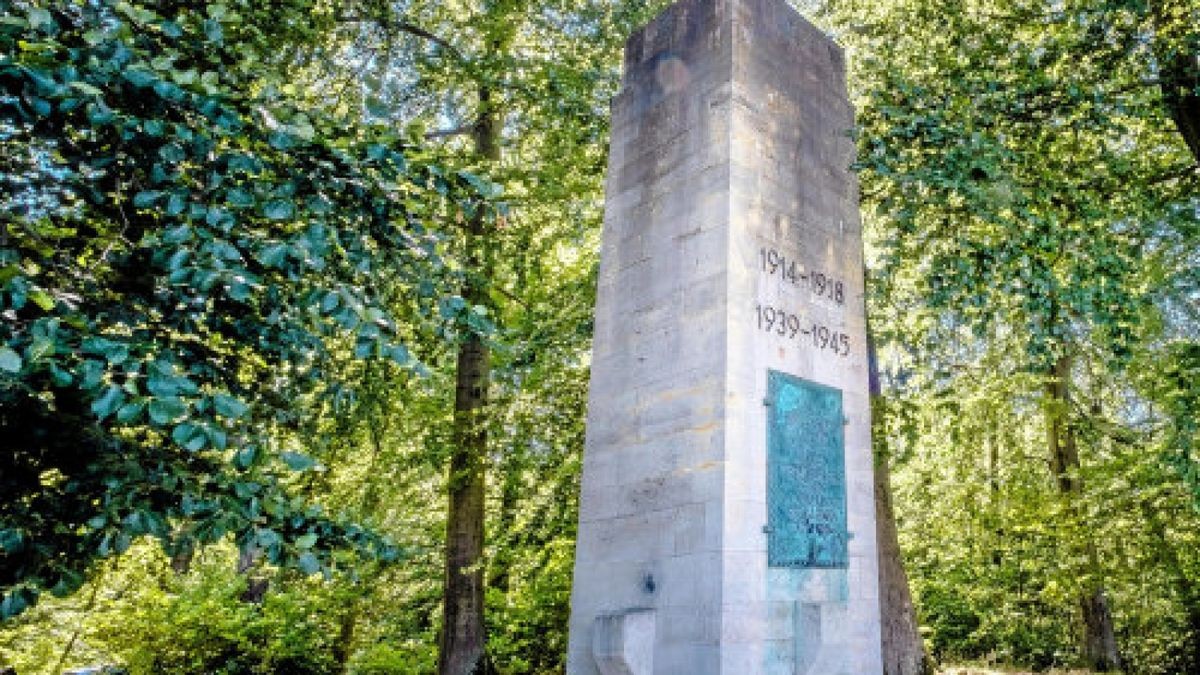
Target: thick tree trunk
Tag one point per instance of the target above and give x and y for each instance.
(463, 645)
(1098, 641)
(343, 647)
(903, 648)
(1181, 81)
(463, 639)
(1179, 75)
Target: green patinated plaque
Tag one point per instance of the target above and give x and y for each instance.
(806, 474)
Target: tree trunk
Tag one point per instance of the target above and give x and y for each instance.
(1179, 79)
(994, 508)
(1180, 82)
(1098, 641)
(903, 648)
(463, 638)
(256, 584)
(343, 647)
(463, 645)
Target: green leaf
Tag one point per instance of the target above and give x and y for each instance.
(298, 462)
(116, 353)
(162, 383)
(376, 107)
(274, 255)
(279, 209)
(11, 541)
(62, 378)
(218, 438)
(41, 348)
(330, 302)
(212, 30)
(244, 459)
(109, 401)
(41, 106)
(178, 259)
(281, 141)
(307, 541)
(172, 153)
(130, 412)
(238, 289)
(451, 306)
(164, 411)
(308, 563)
(240, 198)
(146, 198)
(90, 373)
(364, 349)
(67, 584)
(10, 361)
(42, 299)
(176, 204)
(266, 537)
(15, 602)
(39, 18)
(228, 406)
(190, 436)
(400, 354)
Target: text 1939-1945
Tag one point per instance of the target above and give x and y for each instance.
(791, 326)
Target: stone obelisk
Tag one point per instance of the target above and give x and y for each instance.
(727, 521)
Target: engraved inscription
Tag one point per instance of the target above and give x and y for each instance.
(787, 325)
(792, 272)
(806, 475)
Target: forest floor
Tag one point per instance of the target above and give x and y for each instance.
(1001, 670)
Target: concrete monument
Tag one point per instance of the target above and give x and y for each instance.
(727, 521)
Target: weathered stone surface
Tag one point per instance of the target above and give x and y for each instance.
(623, 643)
(729, 194)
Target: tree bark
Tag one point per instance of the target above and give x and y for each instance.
(1098, 642)
(343, 647)
(903, 649)
(994, 506)
(463, 644)
(1179, 76)
(256, 584)
(1181, 81)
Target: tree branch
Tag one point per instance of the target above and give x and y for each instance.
(411, 29)
(445, 133)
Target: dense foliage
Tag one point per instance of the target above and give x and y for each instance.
(182, 250)
(1032, 186)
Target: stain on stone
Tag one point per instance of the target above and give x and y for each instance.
(648, 584)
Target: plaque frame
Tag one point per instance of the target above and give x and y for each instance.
(806, 474)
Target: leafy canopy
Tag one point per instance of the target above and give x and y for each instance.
(182, 249)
